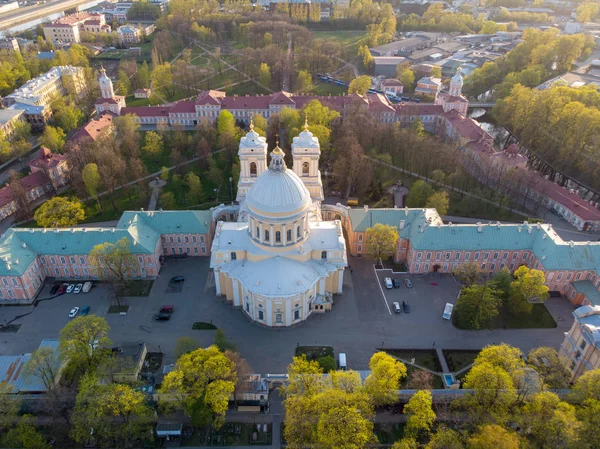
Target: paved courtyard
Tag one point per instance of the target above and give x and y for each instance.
(359, 323)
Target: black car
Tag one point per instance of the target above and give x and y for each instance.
(177, 279)
(406, 307)
(54, 289)
(396, 283)
(162, 316)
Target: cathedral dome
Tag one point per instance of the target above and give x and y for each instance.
(278, 192)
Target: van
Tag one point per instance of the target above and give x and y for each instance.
(352, 201)
(388, 283)
(448, 311)
(87, 286)
(342, 361)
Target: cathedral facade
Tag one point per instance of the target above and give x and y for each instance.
(280, 262)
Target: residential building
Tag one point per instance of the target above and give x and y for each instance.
(8, 119)
(55, 166)
(580, 350)
(387, 65)
(129, 34)
(96, 128)
(405, 47)
(68, 29)
(10, 44)
(142, 93)
(428, 86)
(392, 86)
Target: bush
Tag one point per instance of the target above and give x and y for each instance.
(201, 326)
(327, 363)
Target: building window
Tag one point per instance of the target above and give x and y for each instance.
(178, 239)
(467, 256)
(279, 318)
(323, 254)
(515, 255)
(193, 239)
(524, 256)
(486, 256)
(428, 256)
(171, 239)
(247, 307)
(81, 260)
(261, 315)
(187, 239)
(266, 235)
(52, 260)
(289, 235)
(298, 231)
(583, 345)
(15, 282)
(57, 271)
(360, 237)
(305, 168)
(201, 239)
(296, 314)
(233, 256)
(578, 276)
(457, 256)
(278, 236)
(253, 169)
(258, 232)
(72, 259)
(419, 256)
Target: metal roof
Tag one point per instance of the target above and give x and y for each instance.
(12, 370)
(589, 290)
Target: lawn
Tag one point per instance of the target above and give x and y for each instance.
(231, 434)
(314, 352)
(423, 357)
(132, 101)
(202, 326)
(388, 433)
(248, 87)
(539, 318)
(344, 37)
(324, 89)
(458, 359)
(122, 201)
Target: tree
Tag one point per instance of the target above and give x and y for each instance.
(21, 131)
(589, 415)
(344, 427)
(304, 377)
(550, 421)
(303, 81)
(587, 386)
(167, 201)
(195, 193)
(91, 180)
(527, 286)
(436, 72)
(420, 415)
(327, 363)
(9, 406)
(381, 240)
(439, 201)
(185, 345)
(201, 382)
(110, 261)
(587, 11)
(222, 343)
(82, 342)
(502, 280)
(420, 380)
(360, 85)
(264, 76)
(406, 443)
(477, 307)
(420, 191)
(59, 212)
(53, 138)
(69, 118)
(384, 381)
(118, 414)
(25, 435)
(468, 273)
(494, 437)
(445, 438)
(123, 84)
(18, 193)
(153, 143)
(44, 364)
(552, 370)
(503, 356)
(407, 78)
(164, 173)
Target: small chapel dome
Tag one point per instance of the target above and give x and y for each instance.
(278, 191)
(306, 139)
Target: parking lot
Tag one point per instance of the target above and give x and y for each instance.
(358, 325)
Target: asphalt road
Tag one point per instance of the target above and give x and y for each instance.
(21, 15)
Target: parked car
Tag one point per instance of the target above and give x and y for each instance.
(62, 289)
(397, 308)
(162, 316)
(406, 307)
(177, 279)
(407, 283)
(54, 289)
(87, 286)
(166, 309)
(396, 283)
(117, 349)
(73, 312)
(70, 288)
(85, 310)
(388, 283)
(77, 288)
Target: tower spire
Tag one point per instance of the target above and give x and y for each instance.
(305, 122)
(251, 124)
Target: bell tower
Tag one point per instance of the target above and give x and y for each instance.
(106, 85)
(456, 84)
(253, 161)
(306, 152)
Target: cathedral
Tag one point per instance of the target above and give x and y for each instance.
(280, 261)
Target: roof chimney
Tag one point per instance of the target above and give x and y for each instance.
(479, 227)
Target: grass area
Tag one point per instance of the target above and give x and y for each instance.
(132, 101)
(423, 357)
(135, 288)
(248, 87)
(472, 207)
(458, 359)
(344, 37)
(112, 54)
(388, 433)
(202, 326)
(118, 309)
(539, 318)
(132, 199)
(324, 89)
(314, 352)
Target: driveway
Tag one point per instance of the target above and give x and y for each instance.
(358, 325)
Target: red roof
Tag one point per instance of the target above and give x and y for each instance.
(106, 101)
(146, 111)
(183, 106)
(29, 182)
(391, 82)
(282, 98)
(571, 201)
(93, 129)
(418, 109)
(210, 97)
(46, 159)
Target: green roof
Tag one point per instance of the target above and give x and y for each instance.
(589, 290)
(170, 222)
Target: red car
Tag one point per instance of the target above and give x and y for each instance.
(62, 289)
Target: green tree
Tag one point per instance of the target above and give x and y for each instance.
(587, 386)
(503, 356)
(118, 414)
(420, 191)
(69, 118)
(164, 173)
(407, 78)
(468, 273)
(9, 406)
(436, 72)
(439, 201)
(304, 377)
(53, 138)
(587, 11)
(91, 180)
(502, 280)
(327, 363)
(420, 415)
(360, 85)
(162, 80)
(477, 307)
(185, 345)
(83, 341)
(167, 201)
(201, 383)
(589, 416)
(264, 76)
(195, 192)
(25, 435)
(21, 131)
(123, 84)
(59, 212)
(406, 443)
(304, 81)
(227, 132)
(334, 425)
(381, 240)
(384, 381)
(494, 437)
(445, 438)
(110, 261)
(527, 286)
(153, 143)
(222, 342)
(552, 369)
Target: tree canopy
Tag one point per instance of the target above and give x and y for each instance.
(59, 212)
(381, 240)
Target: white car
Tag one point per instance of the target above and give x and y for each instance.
(87, 286)
(70, 288)
(78, 288)
(388, 283)
(74, 311)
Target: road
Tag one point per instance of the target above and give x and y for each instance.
(28, 13)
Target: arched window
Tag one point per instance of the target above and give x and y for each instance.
(257, 232)
(277, 236)
(253, 169)
(298, 231)
(323, 254)
(266, 235)
(305, 168)
(233, 256)
(289, 235)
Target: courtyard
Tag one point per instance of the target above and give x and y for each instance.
(361, 322)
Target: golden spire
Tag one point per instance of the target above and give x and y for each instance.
(305, 122)
(251, 124)
(277, 150)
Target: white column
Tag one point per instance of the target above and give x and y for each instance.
(217, 282)
(289, 306)
(236, 292)
(262, 234)
(284, 235)
(295, 232)
(340, 280)
(322, 286)
(269, 313)
(271, 236)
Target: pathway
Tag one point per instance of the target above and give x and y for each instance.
(156, 185)
(442, 360)
(276, 411)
